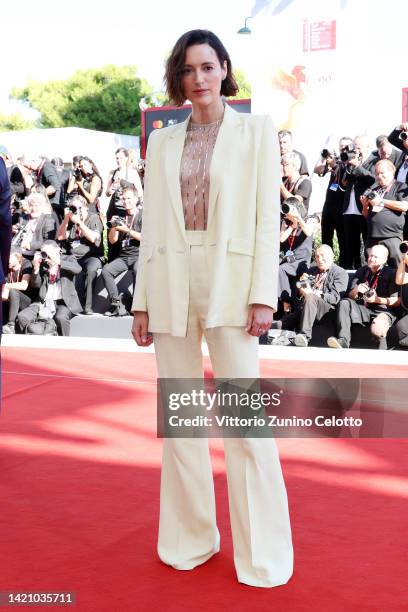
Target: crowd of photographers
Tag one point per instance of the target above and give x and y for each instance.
(365, 205)
(62, 237)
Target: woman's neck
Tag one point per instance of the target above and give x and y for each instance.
(208, 114)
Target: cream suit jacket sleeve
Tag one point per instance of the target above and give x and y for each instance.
(242, 238)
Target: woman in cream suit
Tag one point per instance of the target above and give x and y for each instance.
(208, 266)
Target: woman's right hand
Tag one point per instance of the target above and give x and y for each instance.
(140, 327)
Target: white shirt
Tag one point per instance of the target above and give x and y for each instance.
(352, 208)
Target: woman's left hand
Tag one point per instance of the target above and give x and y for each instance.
(259, 320)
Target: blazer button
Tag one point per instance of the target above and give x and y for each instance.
(162, 249)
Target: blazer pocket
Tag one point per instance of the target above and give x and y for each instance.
(242, 246)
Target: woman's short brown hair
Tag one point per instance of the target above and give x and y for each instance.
(175, 64)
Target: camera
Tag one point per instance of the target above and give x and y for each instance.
(370, 194)
(291, 206)
(114, 222)
(403, 247)
(78, 175)
(73, 208)
(325, 153)
(403, 136)
(307, 280)
(284, 258)
(348, 153)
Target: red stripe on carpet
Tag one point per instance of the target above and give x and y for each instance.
(80, 484)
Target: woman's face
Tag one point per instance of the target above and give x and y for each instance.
(202, 75)
(121, 159)
(85, 166)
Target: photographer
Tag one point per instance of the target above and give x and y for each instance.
(371, 301)
(87, 182)
(44, 173)
(293, 184)
(399, 138)
(124, 175)
(296, 240)
(286, 147)
(126, 233)
(384, 206)
(64, 177)
(320, 290)
(332, 213)
(16, 292)
(400, 329)
(40, 226)
(53, 275)
(81, 236)
(359, 175)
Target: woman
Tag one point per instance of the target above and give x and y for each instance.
(207, 266)
(87, 183)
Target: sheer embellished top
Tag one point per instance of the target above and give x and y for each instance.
(195, 173)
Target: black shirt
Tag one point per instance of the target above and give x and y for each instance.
(303, 188)
(47, 175)
(300, 244)
(129, 247)
(78, 245)
(383, 282)
(388, 223)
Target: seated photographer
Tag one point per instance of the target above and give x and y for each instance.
(80, 235)
(86, 182)
(371, 301)
(400, 329)
(124, 175)
(320, 290)
(293, 184)
(384, 206)
(286, 147)
(53, 274)
(41, 225)
(16, 294)
(126, 234)
(296, 240)
(332, 212)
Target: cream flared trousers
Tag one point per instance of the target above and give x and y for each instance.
(188, 534)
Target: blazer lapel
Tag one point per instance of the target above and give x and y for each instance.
(174, 152)
(223, 150)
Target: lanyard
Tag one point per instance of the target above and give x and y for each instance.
(320, 277)
(291, 239)
(374, 282)
(18, 276)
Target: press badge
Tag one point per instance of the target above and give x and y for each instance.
(76, 244)
(334, 187)
(289, 253)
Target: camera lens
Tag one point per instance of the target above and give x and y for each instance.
(404, 247)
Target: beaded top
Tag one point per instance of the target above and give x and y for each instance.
(195, 172)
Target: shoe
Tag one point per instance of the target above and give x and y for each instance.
(301, 340)
(9, 328)
(338, 343)
(403, 342)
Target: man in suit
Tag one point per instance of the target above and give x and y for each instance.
(321, 294)
(5, 226)
(53, 275)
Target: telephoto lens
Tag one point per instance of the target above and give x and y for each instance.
(404, 247)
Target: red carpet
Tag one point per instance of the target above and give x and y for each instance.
(79, 465)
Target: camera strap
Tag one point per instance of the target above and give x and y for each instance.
(320, 278)
(292, 238)
(373, 282)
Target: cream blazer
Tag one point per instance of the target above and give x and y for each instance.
(242, 238)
